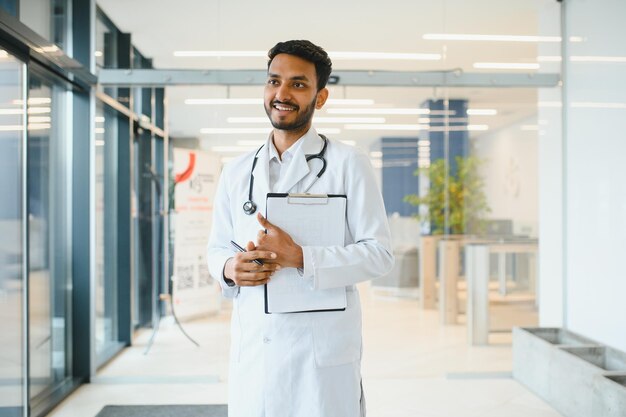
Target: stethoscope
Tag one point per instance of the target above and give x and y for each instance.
(249, 207)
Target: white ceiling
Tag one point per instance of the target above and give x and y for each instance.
(161, 27)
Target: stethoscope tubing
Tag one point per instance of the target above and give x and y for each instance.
(249, 207)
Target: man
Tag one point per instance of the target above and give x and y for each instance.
(298, 364)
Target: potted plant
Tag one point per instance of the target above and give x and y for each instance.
(465, 205)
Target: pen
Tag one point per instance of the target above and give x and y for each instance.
(240, 249)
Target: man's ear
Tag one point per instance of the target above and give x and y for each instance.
(322, 96)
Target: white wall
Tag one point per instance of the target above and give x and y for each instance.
(596, 173)
(550, 292)
(510, 173)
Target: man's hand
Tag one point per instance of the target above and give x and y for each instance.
(244, 272)
(276, 240)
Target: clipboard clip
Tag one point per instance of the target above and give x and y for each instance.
(307, 198)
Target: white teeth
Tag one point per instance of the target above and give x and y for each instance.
(282, 108)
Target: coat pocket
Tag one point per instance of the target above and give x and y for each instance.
(337, 336)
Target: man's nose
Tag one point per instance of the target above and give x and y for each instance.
(283, 93)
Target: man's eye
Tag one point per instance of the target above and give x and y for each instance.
(272, 82)
(298, 85)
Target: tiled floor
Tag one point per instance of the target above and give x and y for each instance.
(412, 367)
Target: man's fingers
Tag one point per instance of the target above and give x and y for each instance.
(254, 254)
(265, 223)
(250, 246)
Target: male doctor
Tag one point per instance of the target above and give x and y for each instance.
(298, 364)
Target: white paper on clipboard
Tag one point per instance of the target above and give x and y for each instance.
(310, 220)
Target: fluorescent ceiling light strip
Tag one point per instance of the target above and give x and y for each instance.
(408, 127)
(388, 111)
(31, 110)
(99, 119)
(232, 148)
(482, 112)
(350, 101)
(598, 105)
(529, 127)
(349, 142)
(384, 56)
(259, 101)
(6, 112)
(39, 126)
(235, 130)
(39, 119)
(315, 120)
(549, 104)
(99, 142)
(340, 55)
(34, 100)
(606, 59)
(98, 53)
(220, 54)
(328, 130)
(505, 65)
(11, 128)
(492, 38)
(411, 127)
(220, 101)
(99, 130)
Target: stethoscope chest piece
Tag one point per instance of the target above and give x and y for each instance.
(249, 207)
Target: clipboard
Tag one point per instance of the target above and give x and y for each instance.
(311, 220)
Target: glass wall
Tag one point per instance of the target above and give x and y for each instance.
(50, 240)
(12, 74)
(106, 192)
(49, 18)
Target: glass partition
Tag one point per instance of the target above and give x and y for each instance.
(12, 73)
(106, 231)
(49, 18)
(49, 215)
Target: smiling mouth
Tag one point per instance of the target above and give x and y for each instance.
(284, 107)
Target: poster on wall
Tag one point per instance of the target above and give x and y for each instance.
(194, 292)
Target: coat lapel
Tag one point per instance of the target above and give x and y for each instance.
(299, 168)
(262, 177)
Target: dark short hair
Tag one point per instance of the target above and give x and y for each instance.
(308, 51)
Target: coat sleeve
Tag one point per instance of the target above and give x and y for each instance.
(370, 256)
(219, 251)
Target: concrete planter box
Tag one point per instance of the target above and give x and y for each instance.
(609, 396)
(534, 351)
(568, 371)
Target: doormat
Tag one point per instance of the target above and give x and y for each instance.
(186, 410)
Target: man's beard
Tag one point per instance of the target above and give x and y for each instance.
(301, 120)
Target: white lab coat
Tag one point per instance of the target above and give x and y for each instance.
(303, 364)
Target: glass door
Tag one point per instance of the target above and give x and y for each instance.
(12, 288)
(49, 236)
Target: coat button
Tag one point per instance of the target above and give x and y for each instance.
(266, 340)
